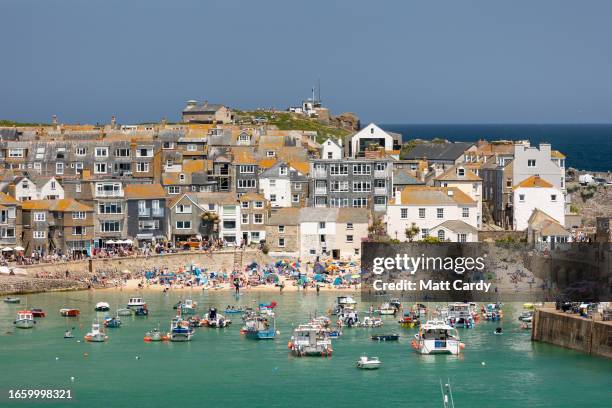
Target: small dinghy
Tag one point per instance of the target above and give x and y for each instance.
(498, 331)
(38, 312)
(12, 300)
(386, 337)
(70, 312)
(125, 312)
(95, 335)
(68, 334)
(142, 311)
(155, 335)
(102, 307)
(368, 363)
(233, 310)
(112, 322)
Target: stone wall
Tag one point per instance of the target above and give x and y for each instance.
(492, 236)
(573, 332)
(79, 270)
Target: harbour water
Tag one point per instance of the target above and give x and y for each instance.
(587, 146)
(221, 368)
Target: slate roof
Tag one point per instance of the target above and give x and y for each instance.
(438, 151)
(458, 226)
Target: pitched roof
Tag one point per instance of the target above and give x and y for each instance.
(251, 196)
(285, 216)
(416, 195)
(143, 191)
(557, 154)
(7, 199)
(547, 225)
(533, 182)
(63, 205)
(458, 226)
(452, 175)
(438, 151)
(404, 178)
(353, 215)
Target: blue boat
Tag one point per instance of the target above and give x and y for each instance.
(142, 311)
(112, 322)
(233, 310)
(180, 330)
(258, 328)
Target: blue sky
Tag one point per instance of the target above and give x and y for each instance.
(544, 61)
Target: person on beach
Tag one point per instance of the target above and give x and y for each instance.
(237, 285)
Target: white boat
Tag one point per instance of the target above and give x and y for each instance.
(125, 312)
(95, 335)
(310, 340)
(437, 337)
(24, 320)
(348, 317)
(460, 315)
(180, 330)
(369, 321)
(136, 302)
(368, 363)
(387, 309)
(346, 300)
(102, 307)
(215, 319)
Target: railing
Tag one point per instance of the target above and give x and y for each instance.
(105, 193)
(381, 173)
(144, 212)
(158, 212)
(320, 190)
(380, 207)
(320, 174)
(380, 190)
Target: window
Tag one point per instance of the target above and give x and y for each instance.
(441, 235)
(322, 225)
(144, 152)
(39, 234)
(245, 204)
(362, 186)
(509, 182)
(40, 216)
(273, 198)
(192, 148)
(272, 182)
(461, 172)
(553, 198)
(110, 208)
(59, 168)
(257, 218)
(465, 212)
(15, 153)
(521, 198)
(124, 152)
(281, 242)
(80, 151)
(79, 230)
(440, 212)
(270, 153)
(148, 224)
(360, 202)
(142, 167)
(462, 237)
(183, 225)
(338, 169)
(356, 251)
(110, 226)
(380, 183)
(229, 224)
(174, 190)
(53, 185)
(78, 188)
(424, 233)
(322, 238)
(101, 152)
(183, 209)
(281, 229)
(404, 213)
(531, 163)
(258, 204)
(246, 183)
(330, 155)
(247, 169)
(167, 145)
(245, 218)
(349, 225)
(211, 207)
(283, 170)
(421, 213)
(349, 238)
(78, 215)
(381, 166)
(100, 168)
(7, 232)
(295, 198)
(339, 186)
(362, 169)
(297, 186)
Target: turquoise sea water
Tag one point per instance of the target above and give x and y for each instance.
(221, 368)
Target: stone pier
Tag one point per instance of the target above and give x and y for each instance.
(591, 336)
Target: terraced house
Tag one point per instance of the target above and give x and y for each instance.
(10, 221)
(254, 213)
(147, 218)
(64, 226)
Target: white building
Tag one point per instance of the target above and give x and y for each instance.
(536, 193)
(465, 180)
(370, 134)
(331, 150)
(431, 209)
(538, 161)
(38, 188)
(283, 186)
(332, 232)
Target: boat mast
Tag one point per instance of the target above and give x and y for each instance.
(447, 395)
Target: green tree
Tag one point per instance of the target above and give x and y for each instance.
(411, 232)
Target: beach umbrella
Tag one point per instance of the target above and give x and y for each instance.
(126, 272)
(319, 278)
(338, 281)
(356, 276)
(128, 241)
(19, 248)
(20, 272)
(303, 280)
(318, 268)
(4, 270)
(110, 241)
(7, 249)
(272, 277)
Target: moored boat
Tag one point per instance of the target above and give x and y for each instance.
(155, 335)
(369, 321)
(136, 302)
(233, 310)
(215, 319)
(180, 330)
(259, 328)
(409, 320)
(460, 315)
(112, 322)
(387, 309)
(70, 312)
(24, 320)
(310, 340)
(437, 337)
(142, 311)
(188, 307)
(386, 337)
(368, 363)
(102, 307)
(125, 312)
(95, 335)
(38, 312)
(13, 300)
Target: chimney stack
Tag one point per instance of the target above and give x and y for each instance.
(113, 121)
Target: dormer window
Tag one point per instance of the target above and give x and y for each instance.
(282, 171)
(461, 172)
(182, 178)
(270, 153)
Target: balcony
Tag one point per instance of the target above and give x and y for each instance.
(320, 190)
(157, 212)
(380, 207)
(320, 173)
(380, 191)
(381, 173)
(144, 212)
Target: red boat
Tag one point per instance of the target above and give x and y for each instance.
(37, 312)
(70, 312)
